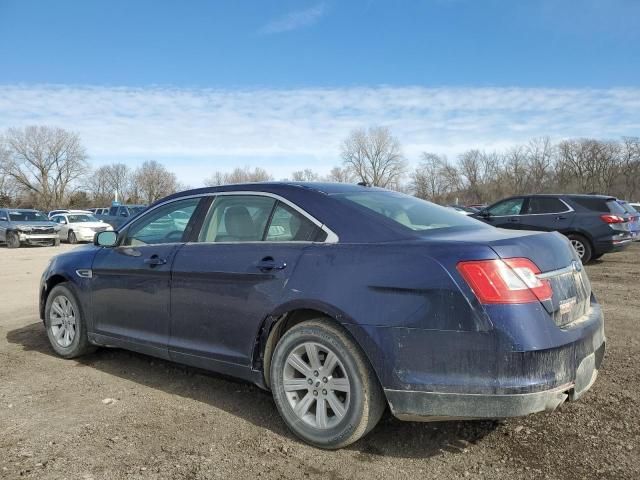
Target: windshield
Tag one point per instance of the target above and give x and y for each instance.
(136, 210)
(82, 218)
(410, 212)
(27, 216)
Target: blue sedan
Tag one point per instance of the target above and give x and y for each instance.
(343, 300)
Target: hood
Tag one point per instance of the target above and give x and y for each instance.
(31, 223)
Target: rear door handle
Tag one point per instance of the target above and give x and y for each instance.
(268, 263)
(154, 260)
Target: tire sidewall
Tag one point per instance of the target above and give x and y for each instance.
(337, 435)
(71, 238)
(75, 348)
(588, 251)
(13, 241)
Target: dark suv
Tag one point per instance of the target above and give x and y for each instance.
(595, 224)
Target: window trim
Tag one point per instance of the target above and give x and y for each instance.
(527, 200)
(332, 237)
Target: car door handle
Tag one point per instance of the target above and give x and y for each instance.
(514, 220)
(561, 217)
(154, 260)
(268, 263)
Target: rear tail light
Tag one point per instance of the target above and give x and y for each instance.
(607, 218)
(511, 280)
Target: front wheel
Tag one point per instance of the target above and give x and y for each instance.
(13, 241)
(66, 327)
(582, 247)
(323, 385)
(72, 238)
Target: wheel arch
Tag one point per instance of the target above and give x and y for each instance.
(287, 316)
(49, 285)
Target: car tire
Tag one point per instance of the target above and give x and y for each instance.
(71, 238)
(13, 241)
(596, 257)
(348, 389)
(65, 323)
(56, 242)
(582, 247)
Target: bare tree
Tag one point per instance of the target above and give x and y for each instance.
(44, 162)
(340, 175)
(630, 167)
(427, 180)
(239, 175)
(306, 175)
(154, 181)
(375, 156)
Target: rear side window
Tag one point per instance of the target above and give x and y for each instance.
(538, 205)
(602, 205)
(287, 225)
(410, 212)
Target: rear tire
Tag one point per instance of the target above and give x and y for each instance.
(323, 385)
(13, 241)
(65, 323)
(582, 247)
(596, 257)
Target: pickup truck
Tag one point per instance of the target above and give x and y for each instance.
(21, 226)
(119, 214)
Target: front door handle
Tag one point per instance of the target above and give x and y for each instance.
(154, 260)
(561, 217)
(268, 263)
(514, 220)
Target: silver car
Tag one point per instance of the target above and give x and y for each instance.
(79, 226)
(22, 226)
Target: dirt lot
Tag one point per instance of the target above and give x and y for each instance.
(168, 421)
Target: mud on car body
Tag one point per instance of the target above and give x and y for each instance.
(343, 300)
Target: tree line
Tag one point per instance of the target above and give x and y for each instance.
(48, 167)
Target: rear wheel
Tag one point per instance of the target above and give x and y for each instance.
(72, 237)
(13, 241)
(596, 257)
(582, 247)
(323, 385)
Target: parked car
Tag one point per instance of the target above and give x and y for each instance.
(79, 227)
(100, 211)
(119, 214)
(634, 222)
(340, 299)
(25, 226)
(635, 205)
(463, 210)
(56, 212)
(595, 224)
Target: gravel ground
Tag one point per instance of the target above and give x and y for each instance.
(116, 414)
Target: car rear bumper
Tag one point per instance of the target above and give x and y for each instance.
(436, 406)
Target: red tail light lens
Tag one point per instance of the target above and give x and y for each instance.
(607, 218)
(511, 280)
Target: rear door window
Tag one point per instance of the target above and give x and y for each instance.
(541, 205)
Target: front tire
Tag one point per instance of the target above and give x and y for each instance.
(72, 238)
(324, 386)
(13, 241)
(66, 327)
(582, 247)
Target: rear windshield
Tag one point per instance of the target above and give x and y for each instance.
(596, 204)
(410, 212)
(27, 216)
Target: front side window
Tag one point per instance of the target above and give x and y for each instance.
(538, 205)
(513, 206)
(288, 225)
(165, 224)
(237, 218)
(410, 212)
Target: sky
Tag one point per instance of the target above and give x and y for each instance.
(203, 86)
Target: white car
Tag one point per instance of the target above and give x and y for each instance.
(79, 226)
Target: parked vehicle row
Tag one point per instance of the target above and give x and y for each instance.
(343, 300)
(78, 226)
(595, 224)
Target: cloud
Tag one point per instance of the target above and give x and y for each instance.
(197, 131)
(294, 20)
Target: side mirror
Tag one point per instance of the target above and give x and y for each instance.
(484, 213)
(106, 239)
(124, 214)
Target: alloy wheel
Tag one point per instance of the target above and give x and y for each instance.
(578, 246)
(316, 385)
(62, 321)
